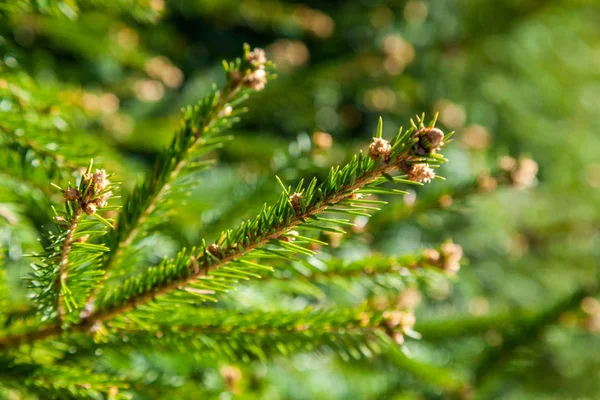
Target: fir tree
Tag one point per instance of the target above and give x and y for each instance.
(216, 265)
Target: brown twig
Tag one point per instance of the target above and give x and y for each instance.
(63, 264)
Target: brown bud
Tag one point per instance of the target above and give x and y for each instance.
(257, 57)
(90, 208)
(256, 80)
(71, 194)
(487, 183)
(296, 200)
(380, 148)
(432, 256)
(430, 140)
(322, 140)
(420, 173)
(214, 249)
(524, 175)
(452, 254)
(434, 139)
(475, 137)
(100, 179)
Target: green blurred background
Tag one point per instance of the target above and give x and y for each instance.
(511, 77)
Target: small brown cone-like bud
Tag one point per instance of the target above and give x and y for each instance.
(487, 183)
(452, 254)
(475, 137)
(256, 80)
(434, 139)
(430, 140)
(380, 148)
(257, 57)
(420, 173)
(90, 208)
(524, 175)
(322, 140)
(432, 256)
(100, 179)
(214, 249)
(296, 200)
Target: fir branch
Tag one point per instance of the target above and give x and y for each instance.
(372, 266)
(55, 381)
(198, 133)
(68, 252)
(410, 151)
(75, 383)
(441, 329)
(360, 176)
(513, 173)
(16, 167)
(527, 333)
(350, 332)
(441, 377)
(63, 262)
(18, 182)
(28, 144)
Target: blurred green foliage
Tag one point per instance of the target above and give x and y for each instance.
(512, 77)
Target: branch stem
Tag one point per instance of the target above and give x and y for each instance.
(63, 264)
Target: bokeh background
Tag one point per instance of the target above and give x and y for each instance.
(513, 78)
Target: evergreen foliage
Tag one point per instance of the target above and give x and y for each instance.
(223, 252)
